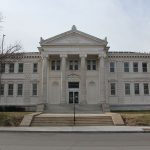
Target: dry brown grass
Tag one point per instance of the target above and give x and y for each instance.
(136, 118)
(11, 118)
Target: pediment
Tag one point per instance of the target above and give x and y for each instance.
(73, 37)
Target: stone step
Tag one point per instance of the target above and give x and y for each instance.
(51, 120)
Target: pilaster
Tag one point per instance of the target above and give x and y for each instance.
(63, 78)
(44, 79)
(83, 78)
(102, 80)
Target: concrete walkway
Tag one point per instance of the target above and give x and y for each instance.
(102, 129)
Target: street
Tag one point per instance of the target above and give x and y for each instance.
(74, 141)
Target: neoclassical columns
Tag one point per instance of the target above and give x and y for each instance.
(44, 78)
(63, 78)
(83, 78)
(102, 79)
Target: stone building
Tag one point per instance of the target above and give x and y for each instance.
(75, 67)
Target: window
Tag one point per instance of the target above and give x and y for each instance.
(20, 89)
(112, 67)
(127, 88)
(91, 64)
(73, 65)
(135, 67)
(126, 67)
(113, 88)
(35, 67)
(2, 89)
(144, 67)
(73, 84)
(20, 67)
(34, 89)
(2, 68)
(136, 88)
(11, 67)
(146, 88)
(55, 65)
(10, 89)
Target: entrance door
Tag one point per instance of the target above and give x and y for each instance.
(73, 97)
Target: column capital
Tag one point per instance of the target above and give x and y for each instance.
(83, 55)
(45, 56)
(63, 55)
(102, 54)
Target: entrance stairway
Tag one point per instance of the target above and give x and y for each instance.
(68, 120)
(69, 109)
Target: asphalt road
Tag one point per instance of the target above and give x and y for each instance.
(74, 141)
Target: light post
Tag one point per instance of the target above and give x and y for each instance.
(74, 108)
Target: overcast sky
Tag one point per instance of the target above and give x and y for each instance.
(126, 23)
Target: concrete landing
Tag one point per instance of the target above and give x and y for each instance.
(69, 109)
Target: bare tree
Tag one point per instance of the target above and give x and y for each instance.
(10, 54)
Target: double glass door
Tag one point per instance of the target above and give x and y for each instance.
(73, 97)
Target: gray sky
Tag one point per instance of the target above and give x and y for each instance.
(126, 23)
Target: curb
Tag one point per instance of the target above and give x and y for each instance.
(95, 129)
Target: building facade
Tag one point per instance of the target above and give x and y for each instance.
(75, 67)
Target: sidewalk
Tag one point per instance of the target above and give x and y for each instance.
(69, 129)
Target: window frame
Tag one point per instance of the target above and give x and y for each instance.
(92, 64)
(144, 69)
(2, 89)
(34, 89)
(127, 89)
(2, 68)
(55, 65)
(20, 70)
(10, 89)
(73, 64)
(126, 68)
(35, 67)
(112, 67)
(135, 69)
(113, 89)
(11, 69)
(144, 90)
(18, 90)
(138, 89)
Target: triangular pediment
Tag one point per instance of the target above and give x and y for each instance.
(73, 37)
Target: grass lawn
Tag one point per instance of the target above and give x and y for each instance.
(11, 118)
(136, 118)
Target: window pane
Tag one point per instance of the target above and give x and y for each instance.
(10, 89)
(146, 88)
(76, 65)
(73, 85)
(136, 88)
(11, 67)
(135, 67)
(35, 67)
(34, 89)
(53, 65)
(126, 67)
(20, 69)
(20, 89)
(112, 67)
(70, 65)
(127, 89)
(2, 89)
(58, 65)
(113, 88)
(2, 68)
(94, 64)
(144, 67)
(88, 65)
